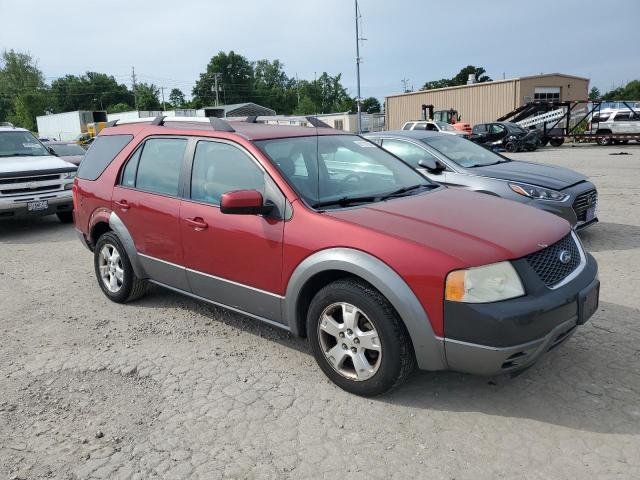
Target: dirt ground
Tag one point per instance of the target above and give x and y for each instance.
(167, 387)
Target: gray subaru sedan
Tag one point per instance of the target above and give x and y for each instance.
(457, 162)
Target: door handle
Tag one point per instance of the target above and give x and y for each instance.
(123, 204)
(197, 223)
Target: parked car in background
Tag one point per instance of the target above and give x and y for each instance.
(614, 121)
(32, 181)
(380, 268)
(507, 135)
(461, 163)
(434, 126)
(68, 151)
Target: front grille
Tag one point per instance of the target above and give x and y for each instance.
(547, 263)
(583, 202)
(36, 178)
(21, 191)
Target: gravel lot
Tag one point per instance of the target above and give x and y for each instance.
(170, 388)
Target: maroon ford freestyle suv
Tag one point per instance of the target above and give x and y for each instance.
(328, 236)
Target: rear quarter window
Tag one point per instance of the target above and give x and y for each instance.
(101, 153)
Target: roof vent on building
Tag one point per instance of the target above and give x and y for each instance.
(471, 79)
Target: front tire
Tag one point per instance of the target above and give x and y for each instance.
(556, 142)
(358, 339)
(114, 272)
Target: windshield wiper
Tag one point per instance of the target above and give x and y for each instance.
(344, 201)
(404, 190)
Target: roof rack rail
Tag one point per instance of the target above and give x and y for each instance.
(220, 125)
(159, 120)
(317, 123)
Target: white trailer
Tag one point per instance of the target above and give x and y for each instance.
(69, 125)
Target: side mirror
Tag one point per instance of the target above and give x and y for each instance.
(52, 152)
(432, 165)
(244, 202)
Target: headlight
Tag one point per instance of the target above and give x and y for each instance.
(490, 283)
(69, 175)
(532, 191)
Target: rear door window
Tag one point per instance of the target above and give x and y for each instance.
(100, 155)
(159, 165)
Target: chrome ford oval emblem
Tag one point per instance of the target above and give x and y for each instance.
(564, 257)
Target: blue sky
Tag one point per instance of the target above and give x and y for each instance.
(171, 42)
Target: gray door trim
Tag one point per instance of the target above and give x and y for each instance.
(228, 307)
(428, 348)
(245, 298)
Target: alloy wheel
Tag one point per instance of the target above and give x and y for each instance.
(349, 341)
(110, 265)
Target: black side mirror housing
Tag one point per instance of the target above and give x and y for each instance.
(52, 152)
(433, 166)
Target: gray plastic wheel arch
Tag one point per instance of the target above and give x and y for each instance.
(127, 242)
(429, 348)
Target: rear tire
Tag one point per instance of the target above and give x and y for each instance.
(358, 339)
(604, 141)
(114, 272)
(65, 217)
(556, 142)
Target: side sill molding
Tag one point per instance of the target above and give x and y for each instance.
(237, 310)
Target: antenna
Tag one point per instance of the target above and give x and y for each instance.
(358, 61)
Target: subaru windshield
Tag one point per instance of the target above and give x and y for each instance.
(17, 143)
(336, 171)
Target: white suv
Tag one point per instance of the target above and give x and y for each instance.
(33, 182)
(614, 121)
(434, 126)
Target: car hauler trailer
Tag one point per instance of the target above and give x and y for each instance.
(561, 120)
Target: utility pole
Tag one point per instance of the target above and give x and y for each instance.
(134, 86)
(405, 85)
(164, 107)
(358, 99)
(298, 87)
(215, 87)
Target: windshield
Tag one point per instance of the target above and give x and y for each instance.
(20, 144)
(463, 152)
(513, 128)
(446, 127)
(68, 149)
(324, 169)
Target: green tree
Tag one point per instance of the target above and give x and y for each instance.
(460, 78)
(176, 98)
(273, 88)
(371, 105)
(594, 93)
(631, 91)
(91, 91)
(306, 107)
(119, 107)
(23, 93)
(26, 107)
(235, 80)
(148, 96)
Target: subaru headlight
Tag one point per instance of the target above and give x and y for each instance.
(69, 175)
(540, 193)
(490, 283)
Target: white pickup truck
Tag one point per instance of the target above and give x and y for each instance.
(33, 182)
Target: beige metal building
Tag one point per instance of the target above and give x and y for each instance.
(487, 101)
